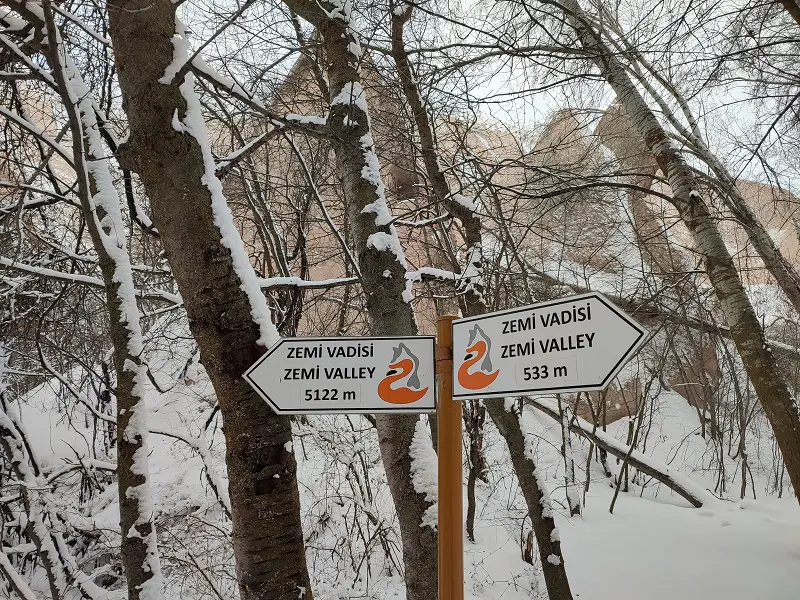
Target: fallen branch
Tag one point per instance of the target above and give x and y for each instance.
(678, 483)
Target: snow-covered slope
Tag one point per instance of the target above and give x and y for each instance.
(653, 546)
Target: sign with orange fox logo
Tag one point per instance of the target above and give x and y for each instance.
(347, 375)
(574, 344)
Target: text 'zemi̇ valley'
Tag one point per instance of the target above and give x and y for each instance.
(544, 320)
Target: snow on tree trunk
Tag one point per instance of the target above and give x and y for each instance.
(383, 270)
(780, 406)
(107, 230)
(537, 499)
(571, 487)
(229, 319)
(663, 473)
(425, 472)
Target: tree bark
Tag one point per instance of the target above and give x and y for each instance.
(793, 8)
(781, 408)
(536, 498)
(265, 506)
(139, 548)
(383, 269)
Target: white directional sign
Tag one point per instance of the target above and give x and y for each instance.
(347, 375)
(574, 344)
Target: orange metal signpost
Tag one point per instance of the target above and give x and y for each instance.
(451, 511)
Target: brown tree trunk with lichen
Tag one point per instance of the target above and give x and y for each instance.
(267, 534)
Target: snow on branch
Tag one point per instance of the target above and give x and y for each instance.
(84, 279)
(310, 124)
(52, 197)
(44, 525)
(17, 583)
(470, 280)
(297, 282)
(83, 25)
(431, 273)
(234, 157)
(680, 484)
(423, 222)
(36, 69)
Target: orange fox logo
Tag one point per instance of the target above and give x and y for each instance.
(398, 369)
(477, 351)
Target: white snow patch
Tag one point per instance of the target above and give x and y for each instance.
(424, 472)
(194, 124)
(387, 242)
(352, 93)
(306, 119)
(468, 203)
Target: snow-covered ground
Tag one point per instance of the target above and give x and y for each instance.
(732, 550)
(653, 546)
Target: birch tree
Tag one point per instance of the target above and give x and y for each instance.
(780, 405)
(640, 70)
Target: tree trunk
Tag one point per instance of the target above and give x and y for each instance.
(785, 274)
(138, 537)
(472, 277)
(793, 8)
(553, 569)
(383, 270)
(570, 485)
(748, 335)
(537, 499)
(774, 261)
(265, 504)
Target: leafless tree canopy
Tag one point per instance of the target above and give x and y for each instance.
(183, 183)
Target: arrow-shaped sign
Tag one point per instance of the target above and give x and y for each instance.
(347, 375)
(569, 345)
